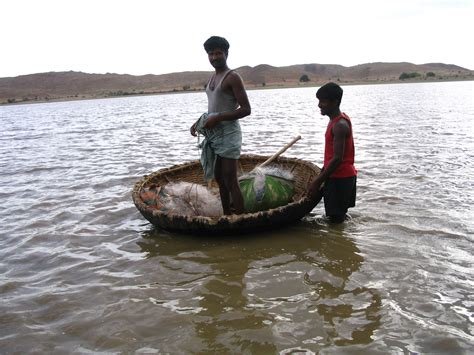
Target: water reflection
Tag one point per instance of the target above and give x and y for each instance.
(290, 290)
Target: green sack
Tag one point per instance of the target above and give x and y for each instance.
(263, 192)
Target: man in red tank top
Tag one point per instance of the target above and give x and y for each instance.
(337, 180)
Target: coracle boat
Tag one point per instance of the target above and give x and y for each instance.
(303, 173)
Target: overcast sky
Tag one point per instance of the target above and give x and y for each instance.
(155, 37)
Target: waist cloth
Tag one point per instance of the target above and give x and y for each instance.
(224, 140)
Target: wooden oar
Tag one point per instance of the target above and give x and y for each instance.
(277, 154)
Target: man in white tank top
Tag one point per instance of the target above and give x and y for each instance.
(227, 103)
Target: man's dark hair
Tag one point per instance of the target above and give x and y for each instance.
(216, 42)
(330, 91)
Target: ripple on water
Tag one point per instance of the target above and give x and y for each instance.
(83, 271)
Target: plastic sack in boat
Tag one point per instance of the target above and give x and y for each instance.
(265, 188)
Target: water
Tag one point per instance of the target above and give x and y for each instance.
(82, 271)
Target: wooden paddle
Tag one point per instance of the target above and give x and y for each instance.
(277, 154)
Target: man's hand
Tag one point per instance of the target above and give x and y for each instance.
(192, 130)
(314, 190)
(212, 121)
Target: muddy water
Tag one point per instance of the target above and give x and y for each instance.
(81, 270)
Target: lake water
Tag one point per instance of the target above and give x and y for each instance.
(82, 271)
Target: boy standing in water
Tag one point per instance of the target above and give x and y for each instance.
(227, 103)
(338, 174)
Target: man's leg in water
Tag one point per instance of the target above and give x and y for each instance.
(339, 195)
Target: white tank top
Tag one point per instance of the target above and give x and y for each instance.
(218, 100)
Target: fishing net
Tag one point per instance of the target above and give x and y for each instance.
(182, 198)
(265, 188)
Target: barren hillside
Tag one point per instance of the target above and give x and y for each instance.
(72, 85)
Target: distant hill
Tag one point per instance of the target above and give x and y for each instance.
(76, 85)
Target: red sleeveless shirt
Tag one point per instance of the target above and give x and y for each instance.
(346, 168)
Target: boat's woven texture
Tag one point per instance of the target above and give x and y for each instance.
(303, 172)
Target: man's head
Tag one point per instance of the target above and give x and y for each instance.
(329, 96)
(330, 91)
(216, 42)
(217, 49)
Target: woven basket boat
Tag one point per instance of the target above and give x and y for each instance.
(303, 172)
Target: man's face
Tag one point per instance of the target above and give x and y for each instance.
(327, 106)
(217, 58)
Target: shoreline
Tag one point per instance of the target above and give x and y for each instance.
(248, 87)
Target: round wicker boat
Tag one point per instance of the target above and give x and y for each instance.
(303, 172)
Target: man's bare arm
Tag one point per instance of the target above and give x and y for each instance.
(340, 131)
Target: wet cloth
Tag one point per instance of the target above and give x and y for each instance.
(224, 140)
(339, 195)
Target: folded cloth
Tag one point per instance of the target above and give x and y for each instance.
(224, 140)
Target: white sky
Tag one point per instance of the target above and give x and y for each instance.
(155, 37)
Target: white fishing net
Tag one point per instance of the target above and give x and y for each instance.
(189, 199)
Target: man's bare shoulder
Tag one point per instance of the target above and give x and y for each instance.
(232, 80)
(233, 77)
(341, 127)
